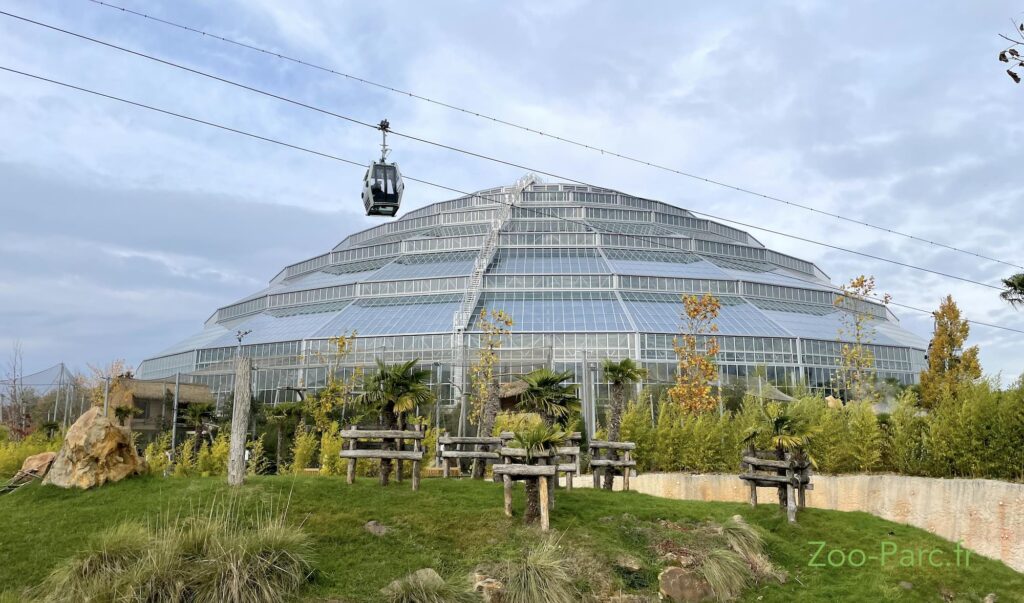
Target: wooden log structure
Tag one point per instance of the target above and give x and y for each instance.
(789, 474)
(452, 449)
(605, 457)
(542, 473)
(353, 435)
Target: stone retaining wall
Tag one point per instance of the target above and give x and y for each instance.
(986, 515)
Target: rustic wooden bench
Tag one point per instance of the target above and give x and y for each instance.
(353, 435)
(605, 457)
(791, 474)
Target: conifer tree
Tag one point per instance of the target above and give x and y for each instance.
(949, 365)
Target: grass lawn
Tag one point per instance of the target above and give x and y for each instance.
(453, 525)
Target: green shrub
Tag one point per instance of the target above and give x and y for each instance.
(515, 422)
(185, 459)
(303, 450)
(13, 454)
(637, 427)
(156, 454)
(865, 436)
(330, 450)
(217, 556)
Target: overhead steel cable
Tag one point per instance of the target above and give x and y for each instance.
(488, 199)
(558, 138)
(474, 153)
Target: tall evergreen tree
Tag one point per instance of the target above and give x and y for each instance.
(948, 363)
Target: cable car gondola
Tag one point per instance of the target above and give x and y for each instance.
(382, 184)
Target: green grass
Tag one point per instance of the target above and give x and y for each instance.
(454, 526)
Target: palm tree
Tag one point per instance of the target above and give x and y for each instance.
(786, 431)
(548, 395)
(394, 391)
(280, 416)
(1014, 292)
(196, 414)
(620, 375)
(539, 438)
(125, 413)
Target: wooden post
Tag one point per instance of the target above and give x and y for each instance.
(801, 497)
(351, 475)
(508, 495)
(595, 471)
(240, 420)
(753, 494)
(790, 499)
(508, 490)
(545, 514)
(625, 473)
(399, 465)
(416, 464)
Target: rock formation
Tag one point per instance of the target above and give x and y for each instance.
(96, 451)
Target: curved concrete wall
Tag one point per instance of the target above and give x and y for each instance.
(986, 515)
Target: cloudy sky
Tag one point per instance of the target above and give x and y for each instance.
(122, 230)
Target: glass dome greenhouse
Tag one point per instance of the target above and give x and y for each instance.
(585, 273)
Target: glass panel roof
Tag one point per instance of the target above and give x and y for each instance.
(661, 313)
(427, 265)
(335, 306)
(315, 280)
(778, 277)
(395, 315)
(738, 264)
(269, 329)
(201, 339)
(630, 228)
(559, 311)
(548, 261)
(792, 306)
(662, 263)
(363, 266)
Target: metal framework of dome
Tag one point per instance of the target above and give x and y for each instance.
(585, 273)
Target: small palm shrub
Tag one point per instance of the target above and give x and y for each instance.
(220, 555)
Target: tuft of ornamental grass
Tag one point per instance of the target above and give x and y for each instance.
(745, 540)
(219, 556)
(727, 573)
(540, 573)
(425, 587)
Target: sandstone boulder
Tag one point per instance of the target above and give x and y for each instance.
(679, 585)
(38, 464)
(96, 451)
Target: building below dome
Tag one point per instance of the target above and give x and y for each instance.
(585, 273)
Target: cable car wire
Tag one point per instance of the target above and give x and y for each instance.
(558, 138)
(425, 182)
(480, 155)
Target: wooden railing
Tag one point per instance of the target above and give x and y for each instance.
(396, 438)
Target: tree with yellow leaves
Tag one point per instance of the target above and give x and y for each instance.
(495, 324)
(949, 365)
(854, 377)
(695, 349)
